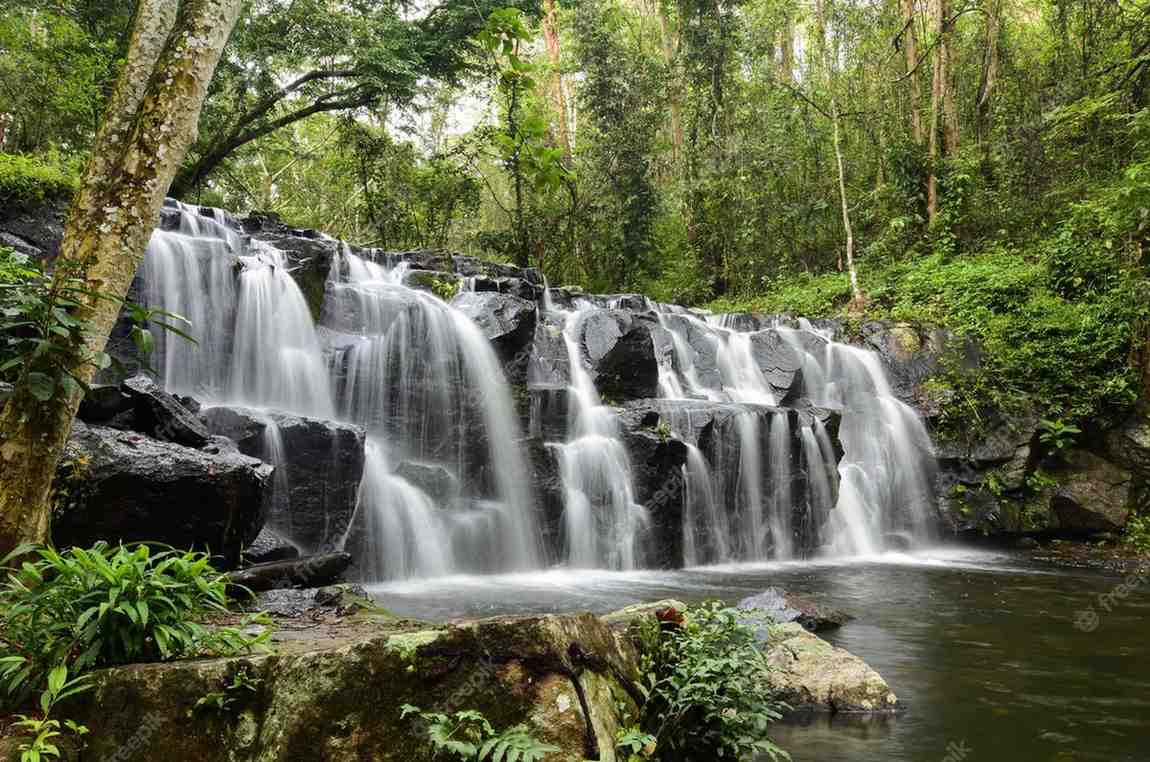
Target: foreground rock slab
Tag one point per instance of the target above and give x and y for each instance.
(335, 692)
(812, 675)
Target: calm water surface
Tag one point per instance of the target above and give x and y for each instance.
(982, 650)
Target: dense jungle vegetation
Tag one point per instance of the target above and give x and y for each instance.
(978, 164)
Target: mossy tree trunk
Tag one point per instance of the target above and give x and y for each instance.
(150, 123)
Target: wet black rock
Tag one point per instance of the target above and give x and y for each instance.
(434, 480)
(657, 462)
(321, 462)
(621, 353)
(103, 402)
(508, 322)
(123, 486)
(784, 607)
(161, 415)
(293, 603)
(269, 546)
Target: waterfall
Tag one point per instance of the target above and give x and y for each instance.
(422, 377)
(603, 524)
(885, 475)
(764, 482)
(255, 341)
(417, 373)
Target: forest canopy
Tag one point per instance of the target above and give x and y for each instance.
(983, 164)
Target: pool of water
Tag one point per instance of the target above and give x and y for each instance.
(990, 657)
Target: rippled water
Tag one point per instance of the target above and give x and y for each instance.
(981, 649)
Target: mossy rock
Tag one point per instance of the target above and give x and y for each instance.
(334, 693)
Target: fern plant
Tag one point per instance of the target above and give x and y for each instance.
(468, 736)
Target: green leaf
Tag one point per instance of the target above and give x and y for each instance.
(41, 386)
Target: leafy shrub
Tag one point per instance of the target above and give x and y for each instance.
(1137, 534)
(26, 180)
(705, 682)
(81, 609)
(468, 736)
(43, 336)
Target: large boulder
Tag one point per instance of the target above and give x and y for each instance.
(812, 675)
(161, 415)
(319, 467)
(912, 354)
(620, 351)
(1093, 494)
(335, 692)
(657, 461)
(122, 486)
(779, 362)
(1128, 444)
(34, 230)
(508, 322)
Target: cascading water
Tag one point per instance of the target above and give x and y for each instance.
(759, 470)
(885, 473)
(255, 341)
(425, 382)
(603, 524)
(416, 372)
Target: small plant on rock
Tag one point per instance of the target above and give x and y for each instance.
(1057, 435)
(705, 683)
(468, 736)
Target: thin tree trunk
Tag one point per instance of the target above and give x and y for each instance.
(151, 122)
(559, 94)
(669, 43)
(949, 103)
(857, 298)
(910, 47)
(935, 118)
(989, 80)
(787, 51)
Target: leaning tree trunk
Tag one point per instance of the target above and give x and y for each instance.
(150, 123)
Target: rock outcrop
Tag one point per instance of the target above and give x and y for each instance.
(784, 607)
(123, 486)
(810, 674)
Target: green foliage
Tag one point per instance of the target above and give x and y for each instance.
(79, 609)
(1057, 435)
(38, 738)
(705, 683)
(54, 72)
(1137, 533)
(234, 693)
(43, 344)
(25, 180)
(468, 736)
